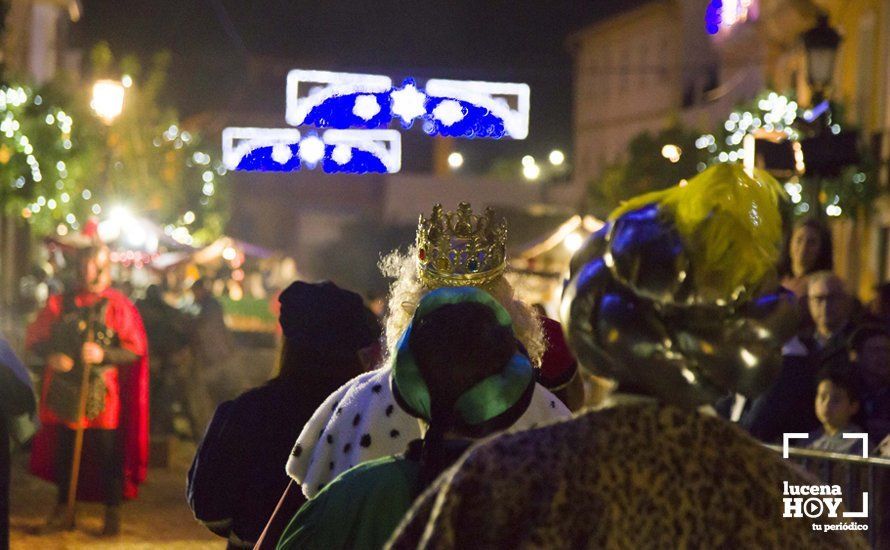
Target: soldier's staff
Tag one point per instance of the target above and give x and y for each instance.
(78, 434)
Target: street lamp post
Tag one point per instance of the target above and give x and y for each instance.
(108, 103)
(821, 44)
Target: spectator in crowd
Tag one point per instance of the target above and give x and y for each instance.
(806, 251)
(212, 346)
(787, 405)
(16, 398)
(830, 306)
(837, 403)
(879, 308)
(167, 339)
(459, 371)
(871, 354)
(237, 475)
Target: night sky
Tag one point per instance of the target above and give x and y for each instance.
(523, 41)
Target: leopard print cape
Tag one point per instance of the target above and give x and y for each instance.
(632, 476)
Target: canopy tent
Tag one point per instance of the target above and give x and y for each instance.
(229, 248)
(550, 254)
(538, 267)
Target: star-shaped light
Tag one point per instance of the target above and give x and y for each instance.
(408, 103)
(311, 150)
(342, 154)
(281, 153)
(449, 112)
(366, 107)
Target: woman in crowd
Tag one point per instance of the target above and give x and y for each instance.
(237, 475)
(806, 251)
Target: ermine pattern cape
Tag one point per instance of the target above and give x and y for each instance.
(361, 421)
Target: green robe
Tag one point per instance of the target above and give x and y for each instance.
(360, 509)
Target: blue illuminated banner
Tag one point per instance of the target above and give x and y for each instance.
(286, 150)
(356, 109)
(454, 108)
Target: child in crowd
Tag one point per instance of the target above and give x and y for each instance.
(837, 403)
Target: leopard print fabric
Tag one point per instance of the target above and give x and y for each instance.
(634, 476)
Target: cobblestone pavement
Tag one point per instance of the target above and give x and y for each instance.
(159, 518)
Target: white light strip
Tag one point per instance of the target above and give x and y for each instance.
(238, 142)
(334, 84)
(483, 94)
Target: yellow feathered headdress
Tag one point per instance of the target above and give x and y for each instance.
(730, 223)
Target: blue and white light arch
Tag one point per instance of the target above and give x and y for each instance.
(722, 15)
(357, 108)
(454, 108)
(335, 151)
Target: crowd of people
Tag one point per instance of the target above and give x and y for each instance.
(89, 347)
(191, 356)
(383, 433)
(840, 353)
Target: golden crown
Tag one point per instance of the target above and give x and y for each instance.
(460, 248)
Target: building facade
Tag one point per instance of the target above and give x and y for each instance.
(641, 71)
(672, 61)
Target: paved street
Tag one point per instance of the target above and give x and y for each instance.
(160, 518)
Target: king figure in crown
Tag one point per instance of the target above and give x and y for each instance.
(362, 421)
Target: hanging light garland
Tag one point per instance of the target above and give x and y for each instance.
(777, 117)
(35, 142)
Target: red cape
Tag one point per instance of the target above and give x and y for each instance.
(122, 317)
(558, 366)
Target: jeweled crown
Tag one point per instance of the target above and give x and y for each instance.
(460, 248)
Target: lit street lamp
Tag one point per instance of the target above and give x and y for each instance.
(531, 171)
(107, 103)
(821, 43)
(108, 99)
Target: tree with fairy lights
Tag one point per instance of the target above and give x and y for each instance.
(808, 140)
(61, 164)
(37, 155)
(824, 165)
(153, 166)
(654, 161)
